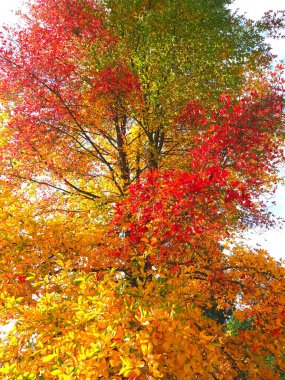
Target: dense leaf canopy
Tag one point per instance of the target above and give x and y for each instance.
(138, 139)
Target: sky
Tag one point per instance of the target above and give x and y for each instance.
(273, 240)
(254, 9)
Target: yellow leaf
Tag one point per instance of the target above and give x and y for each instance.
(48, 358)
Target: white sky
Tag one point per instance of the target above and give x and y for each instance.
(5, 9)
(273, 241)
(254, 9)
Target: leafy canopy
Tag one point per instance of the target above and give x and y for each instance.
(138, 139)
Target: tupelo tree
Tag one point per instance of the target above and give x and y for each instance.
(137, 140)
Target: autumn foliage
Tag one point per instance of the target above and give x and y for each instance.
(138, 140)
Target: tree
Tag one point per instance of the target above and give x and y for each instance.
(137, 140)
